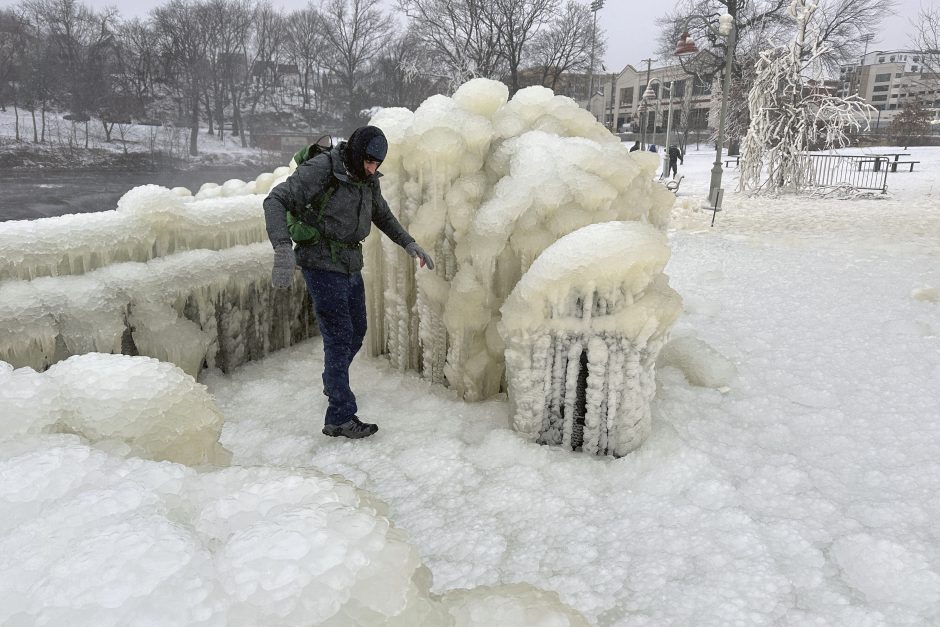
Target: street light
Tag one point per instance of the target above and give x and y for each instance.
(641, 110)
(649, 93)
(596, 6)
(686, 47)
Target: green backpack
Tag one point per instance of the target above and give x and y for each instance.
(305, 225)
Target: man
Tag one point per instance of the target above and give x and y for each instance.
(675, 155)
(339, 195)
(635, 146)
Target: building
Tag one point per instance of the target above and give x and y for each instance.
(618, 98)
(890, 79)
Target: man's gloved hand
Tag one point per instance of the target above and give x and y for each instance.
(416, 251)
(284, 262)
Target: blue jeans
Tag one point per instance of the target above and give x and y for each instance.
(339, 301)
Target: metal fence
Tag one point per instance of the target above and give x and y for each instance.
(855, 171)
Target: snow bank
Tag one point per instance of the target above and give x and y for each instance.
(486, 184)
(136, 405)
(583, 328)
(192, 308)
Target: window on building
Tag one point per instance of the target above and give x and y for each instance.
(698, 118)
(626, 96)
(892, 107)
(678, 89)
(881, 98)
(882, 78)
(916, 59)
(701, 88)
(913, 68)
(898, 75)
(878, 88)
(879, 107)
(892, 59)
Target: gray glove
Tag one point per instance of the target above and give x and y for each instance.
(416, 251)
(284, 262)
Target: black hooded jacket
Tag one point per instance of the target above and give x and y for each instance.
(356, 204)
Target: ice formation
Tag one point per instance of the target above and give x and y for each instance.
(487, 184)
(190, 308)
(136, 405)
(701, 364)
(583, 329)
(150, 221)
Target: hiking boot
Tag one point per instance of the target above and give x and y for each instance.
(352, 428)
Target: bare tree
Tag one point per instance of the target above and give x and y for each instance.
(268, 49)
(926, 38)
(517, 22)
(356, 31)
(306, 42)
(565, 46)
(181, 26)
(138, 60)
(458, 36)
(229, 29)
(395, 83)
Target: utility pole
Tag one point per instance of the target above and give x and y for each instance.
(596, 6)
(649, 63)
(867, 37)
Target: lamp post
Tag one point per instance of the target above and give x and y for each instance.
(642, 108)
(596, 6)
(649, 93)
(684, 48)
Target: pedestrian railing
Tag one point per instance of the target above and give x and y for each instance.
(862, 172)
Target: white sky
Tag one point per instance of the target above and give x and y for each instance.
(630, 26)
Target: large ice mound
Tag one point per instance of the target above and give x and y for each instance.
(136, 405)
(487, 183)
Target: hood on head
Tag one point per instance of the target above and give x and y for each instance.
(365, 142)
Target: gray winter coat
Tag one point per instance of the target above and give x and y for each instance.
(347, 217)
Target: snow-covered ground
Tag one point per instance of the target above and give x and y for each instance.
(139, 140)
(804, 493)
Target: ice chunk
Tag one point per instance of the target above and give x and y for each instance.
(701, 364)
(159, 411)
(512, 604)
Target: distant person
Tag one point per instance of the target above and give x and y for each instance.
(652, 148)
(675, 157)
(337, 195)
(635, 147)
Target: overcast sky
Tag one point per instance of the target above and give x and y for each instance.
(630, 24)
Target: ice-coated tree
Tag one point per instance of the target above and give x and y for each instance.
(791, 111)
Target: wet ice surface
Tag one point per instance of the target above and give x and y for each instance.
(805, 491)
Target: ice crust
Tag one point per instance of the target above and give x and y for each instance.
(487, 184)
(92, 538)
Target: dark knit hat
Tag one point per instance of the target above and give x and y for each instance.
(365, 142)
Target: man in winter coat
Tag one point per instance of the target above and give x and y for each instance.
(675, 155)
(635, 146)
(341, 188)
